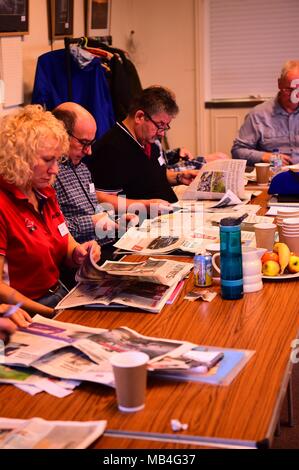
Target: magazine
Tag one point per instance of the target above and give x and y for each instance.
(216, 178)
(86, 352)
(38, 433)
(158, 271)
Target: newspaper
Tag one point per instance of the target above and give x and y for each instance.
(113, 291)
(87, 351)
(37, 433)
(159, 271)
(216, 178)
(141, 241)
(193, 242)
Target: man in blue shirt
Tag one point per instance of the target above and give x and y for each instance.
(86, 218)
(272, 125)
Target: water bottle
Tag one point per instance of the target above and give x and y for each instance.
(275, 162)
(231, 273)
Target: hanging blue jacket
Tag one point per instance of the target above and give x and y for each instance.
(89, 87)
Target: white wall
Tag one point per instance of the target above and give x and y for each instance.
(164, 47)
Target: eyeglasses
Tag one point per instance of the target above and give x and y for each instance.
(85, 143)
(289, 90)
(160, 126)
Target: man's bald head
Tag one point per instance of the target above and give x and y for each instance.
(81, 127)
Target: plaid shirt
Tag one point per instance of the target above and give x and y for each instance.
(77, 199)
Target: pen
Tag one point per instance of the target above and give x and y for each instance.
(12, 309)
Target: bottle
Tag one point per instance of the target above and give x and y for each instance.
(275, 162)
(231, 273)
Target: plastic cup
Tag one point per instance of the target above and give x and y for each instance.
(130, 374)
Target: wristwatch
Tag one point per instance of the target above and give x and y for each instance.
(178, 178)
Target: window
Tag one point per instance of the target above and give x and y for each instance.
(247, 42)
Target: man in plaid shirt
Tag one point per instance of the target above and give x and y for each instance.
(86, 218)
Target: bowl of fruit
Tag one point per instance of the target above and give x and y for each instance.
(280, 264)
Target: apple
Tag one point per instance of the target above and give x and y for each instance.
(269, 255)
(271, 268)
(293, 265)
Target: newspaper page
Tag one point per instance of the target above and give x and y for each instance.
(216, 178)
(116, 292)
(88, 350)
(141, 241)
(159, 271)
(37, 433)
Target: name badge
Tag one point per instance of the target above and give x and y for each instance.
(161, 160)
(63, 230)
(91, 188)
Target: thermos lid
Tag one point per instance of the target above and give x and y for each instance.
(232, 221)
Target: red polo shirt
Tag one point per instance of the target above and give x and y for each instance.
(34, 244)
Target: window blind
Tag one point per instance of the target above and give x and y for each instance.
(247, 44)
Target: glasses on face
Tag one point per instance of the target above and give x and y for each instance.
(160, 126)
(85, 143)
(289, 90)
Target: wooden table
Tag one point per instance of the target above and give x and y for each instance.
(244, 414)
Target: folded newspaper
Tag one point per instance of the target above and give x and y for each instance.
(75, 352)
(38, 433)
(159, 271)
(216, 178)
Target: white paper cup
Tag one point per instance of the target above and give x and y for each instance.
(265, 235)
(130, 373)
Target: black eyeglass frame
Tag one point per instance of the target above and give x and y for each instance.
(159, 127)
(85, 143)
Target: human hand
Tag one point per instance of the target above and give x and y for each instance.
(216, 156)
(186, 177)
(7, 327)
(81, 251)
(127, 220)
(186, 154)
(286, 160)
(20, 317)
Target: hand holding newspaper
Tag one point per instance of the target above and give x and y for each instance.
(216, 178)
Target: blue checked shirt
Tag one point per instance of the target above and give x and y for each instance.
(267, 127)
(78, 202)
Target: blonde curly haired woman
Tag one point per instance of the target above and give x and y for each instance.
(34, 239)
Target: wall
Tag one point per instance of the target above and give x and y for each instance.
(165, 48)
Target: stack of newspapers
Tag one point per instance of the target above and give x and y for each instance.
(146, 285)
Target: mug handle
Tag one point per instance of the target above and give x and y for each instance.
(214, 257)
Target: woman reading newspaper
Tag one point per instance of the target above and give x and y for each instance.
(34, 239)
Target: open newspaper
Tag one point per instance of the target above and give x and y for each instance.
(146, 286)
(194, 241)
(38, 433)
(158, 271)
(71, 351)
(216, 178)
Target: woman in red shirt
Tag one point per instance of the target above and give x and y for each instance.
(34, 239)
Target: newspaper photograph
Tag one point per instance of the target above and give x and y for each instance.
(117, 292)
(216, 178)
(37, 433)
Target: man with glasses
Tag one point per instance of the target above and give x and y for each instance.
(127, 161)
(273, 124)
(75, 190)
